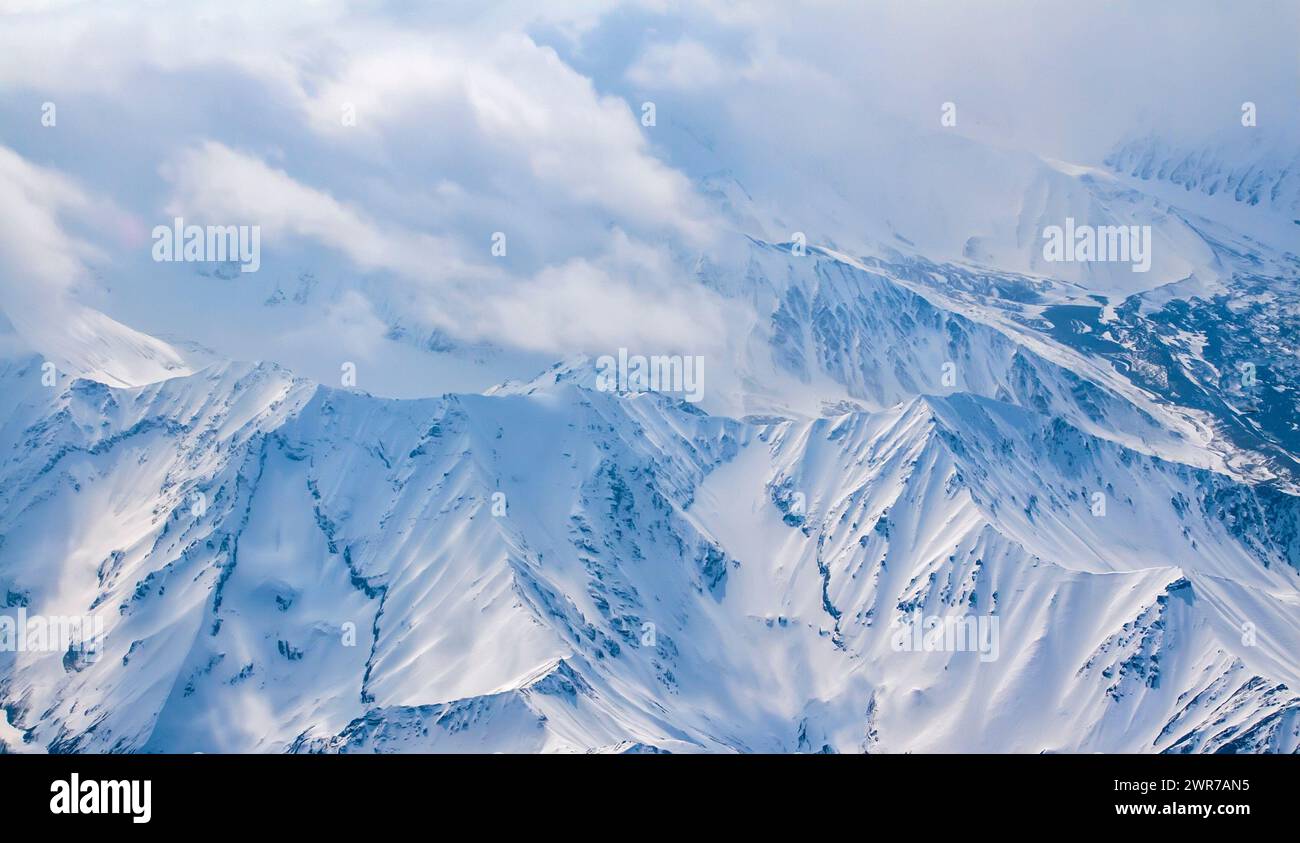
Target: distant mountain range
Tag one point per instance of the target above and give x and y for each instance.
(1097, 472)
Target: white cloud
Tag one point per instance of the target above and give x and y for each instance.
(522, 118)
(628, 292)
(215, 185)
(463, 128)
(38, 258)
(517, 119)
(1059, 78)
(41, 265)
(626, 296)
(682, 65)
(351, 325)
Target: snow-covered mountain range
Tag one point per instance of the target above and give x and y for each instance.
(901, 435)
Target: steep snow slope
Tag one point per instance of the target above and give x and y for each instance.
(91, 345)
(229, 624)
(908, 511)
(1253, 172)
(953, 200)
(1072, 460)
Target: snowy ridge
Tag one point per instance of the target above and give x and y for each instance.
(526, 631)
(938, 427)
(1252, 175)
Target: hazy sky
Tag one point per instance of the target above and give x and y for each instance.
(511, 118)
